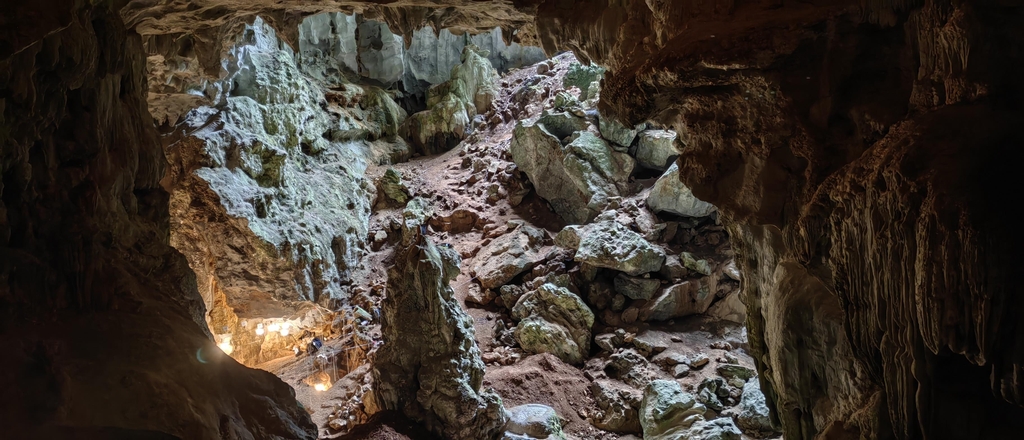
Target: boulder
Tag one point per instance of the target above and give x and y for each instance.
(729, 308)
(510, 255)
(618, 404)
(630, 367)
(695, 264)
(614, 131)
(673, 268)
(656, 149)
(753, 411)
(582, 76)
(691, 297)
(554, 320)
(636, 287)
(392, 187)
(729, 371)
(577, 180)
(721, 428)
(535, 421)
(611, 245)
(669, 194)
(667, 413)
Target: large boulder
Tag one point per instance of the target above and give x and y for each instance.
(429, 366)
(636, 287)
(669, 194)
(554, 320)
(656, 149)
(582, 76)
(753, 411)
(534, 421)
(618, 404)
(668, 413)
(615, 132)
(611, 245)
(510, 255)
(579, 178)
(692, 297)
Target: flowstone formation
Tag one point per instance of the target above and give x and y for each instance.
(329, 49)
(429, 366)
(453, 105)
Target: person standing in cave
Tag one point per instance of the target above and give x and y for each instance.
(314, 346)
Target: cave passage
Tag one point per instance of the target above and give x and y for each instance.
(586, 268)
(515, 219)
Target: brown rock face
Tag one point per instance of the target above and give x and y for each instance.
(102, 327)
(856, 151)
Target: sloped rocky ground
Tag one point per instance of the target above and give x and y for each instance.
(487, 210)
(588, 270)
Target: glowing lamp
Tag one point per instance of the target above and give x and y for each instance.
(226, 346)
(320, 387)
(274, 327)
(259, 329)
(285, 329)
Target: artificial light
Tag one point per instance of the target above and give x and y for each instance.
(259, 329)
(226, 346)
(320, 387)
(284, 329)
(274, 327)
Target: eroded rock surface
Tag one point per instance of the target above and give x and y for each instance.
(510, 255)
(576, 171)
(429, 366)
(554, 320)
(103, 327)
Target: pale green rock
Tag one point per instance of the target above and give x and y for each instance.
(554, 320)
(392, 186)
(636, 287)
(577, 179)
(611, 245)
(656, 149)
(691, 262)
(669, 194)
(509, 255)
(667, 413)
(614, 131)
(534, 421)
(582, 76)
(730, 371)
(753, 410)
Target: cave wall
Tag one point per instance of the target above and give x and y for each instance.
(101, 324)
(857, 152)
